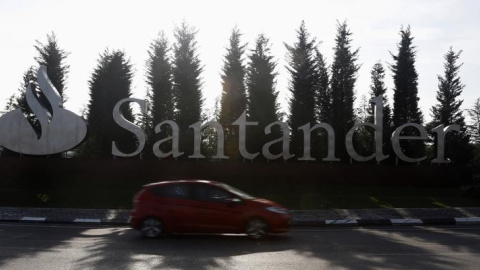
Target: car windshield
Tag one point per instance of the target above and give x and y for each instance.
(237, 192)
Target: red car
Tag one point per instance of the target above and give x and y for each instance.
(197, 206)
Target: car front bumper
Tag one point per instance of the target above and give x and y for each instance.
(280, 223)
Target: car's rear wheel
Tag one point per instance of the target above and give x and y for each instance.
(152, 228)
(256, 229)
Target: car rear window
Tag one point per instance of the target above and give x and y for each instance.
(178, 191)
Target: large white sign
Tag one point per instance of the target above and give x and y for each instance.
(61, 130)
(307, 129)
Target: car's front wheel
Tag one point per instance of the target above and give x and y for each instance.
(152, 228)
(256, 229)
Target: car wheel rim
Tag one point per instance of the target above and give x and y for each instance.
(256, 229)
(152, 228)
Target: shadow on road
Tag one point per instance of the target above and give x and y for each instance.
(350, 249)
(395, 248)
(371, 248)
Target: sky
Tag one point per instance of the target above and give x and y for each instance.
(86, 28)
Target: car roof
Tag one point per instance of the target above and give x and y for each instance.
(181, 182)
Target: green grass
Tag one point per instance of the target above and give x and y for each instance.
(292, 196)
(358, 197)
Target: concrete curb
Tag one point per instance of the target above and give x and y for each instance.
(300, 218)
(388, 222)
(295, 223)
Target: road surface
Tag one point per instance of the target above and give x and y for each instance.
(35, 246)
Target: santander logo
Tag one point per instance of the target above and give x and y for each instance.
(61, 130)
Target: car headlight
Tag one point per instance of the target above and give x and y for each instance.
(277, 210)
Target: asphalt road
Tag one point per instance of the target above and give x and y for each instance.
(25, 246)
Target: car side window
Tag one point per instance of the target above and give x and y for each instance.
(208, 193)
(177, 191)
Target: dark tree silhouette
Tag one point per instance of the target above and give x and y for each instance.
(324, 94)
(447, 111)
(303, 84)
(19, 100)
(51, 56)
(405, 97)
(187, 84)
(109, 83)
(344, 76)
(474, 131)
(234, 99)
(378, 88)
(323, 106)
(160, 91)
(474, 128)
(210, 140)
(262, 102)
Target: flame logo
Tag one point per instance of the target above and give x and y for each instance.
(61, 130)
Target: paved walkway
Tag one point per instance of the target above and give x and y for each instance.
(353, 217)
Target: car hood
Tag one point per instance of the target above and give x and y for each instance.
(266, 202)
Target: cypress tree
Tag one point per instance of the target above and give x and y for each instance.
(319, 141)
(405, 97)
(324, 94)
(344, 76)
(447, 111)
(474, 132)
(303, 84)
(210, 141)
(187, 84)
(109, 83)
(262, 96)
(51, 56)
(160, 91)
(19, 101)
(474, 128)
(377, 88)
(234, 99)
(363, 138)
